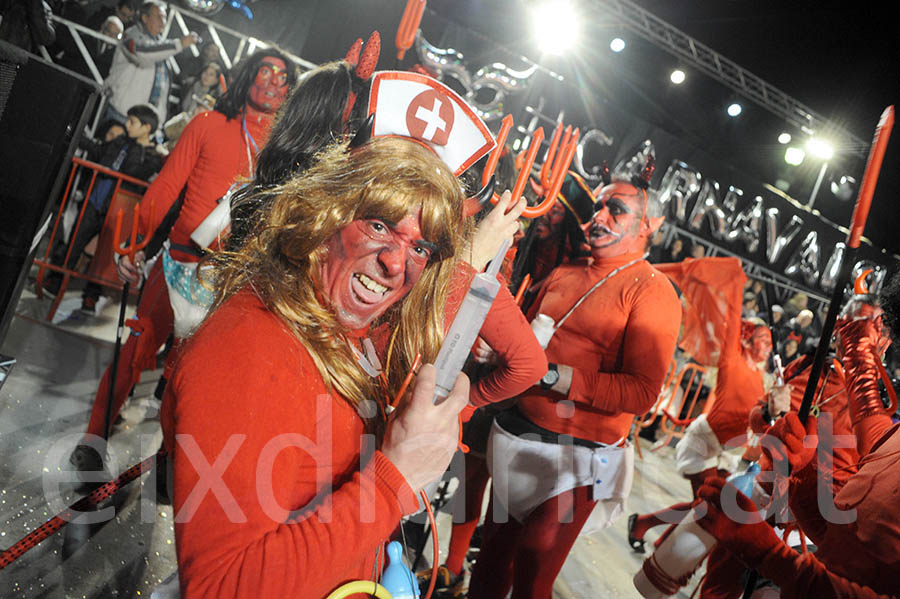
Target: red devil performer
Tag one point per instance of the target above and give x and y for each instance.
(362, 247)
(617, 322)
(215, 148)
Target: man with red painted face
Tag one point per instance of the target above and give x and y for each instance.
(363, 246)
(561, 452)
(216, 148)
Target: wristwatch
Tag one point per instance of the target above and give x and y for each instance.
(549, 379)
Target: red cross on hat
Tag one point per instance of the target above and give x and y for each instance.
(424, 109)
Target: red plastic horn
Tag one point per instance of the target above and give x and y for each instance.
(409, 24)
(860, 286)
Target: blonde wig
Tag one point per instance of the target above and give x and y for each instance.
(387, 179)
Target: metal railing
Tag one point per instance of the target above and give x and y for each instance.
(118, 196)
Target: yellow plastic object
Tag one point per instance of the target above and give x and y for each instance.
(360, 586)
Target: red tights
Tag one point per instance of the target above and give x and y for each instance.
(477, 476)
(155, 322)
(529, 555)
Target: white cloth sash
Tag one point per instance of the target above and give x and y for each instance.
(527, 472)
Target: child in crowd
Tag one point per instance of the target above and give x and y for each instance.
(133, 154)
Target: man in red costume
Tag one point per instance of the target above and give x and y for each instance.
(608, 361)
(364, 246)
(739, 386)
(215, 149)
(858, 535)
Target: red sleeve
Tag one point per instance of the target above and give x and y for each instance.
(647, 348)
(459, 286)
(258, 411)
(165, 189)
(801, 575)
(522, 361)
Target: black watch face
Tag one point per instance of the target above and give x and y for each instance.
(550, 378)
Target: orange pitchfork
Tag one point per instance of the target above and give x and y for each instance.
(409, 24)
(556, 163)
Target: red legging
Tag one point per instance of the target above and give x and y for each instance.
(477, 476)
(155, 323)
(529, 555)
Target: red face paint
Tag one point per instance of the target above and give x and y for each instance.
(760, 344)
(615, 229)
(371, 265)
(548, 224)
(270, 87)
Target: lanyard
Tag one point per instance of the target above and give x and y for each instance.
(248, 141)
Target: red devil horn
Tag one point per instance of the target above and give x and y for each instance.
(352, 56)
(369, 57)
(861, 286)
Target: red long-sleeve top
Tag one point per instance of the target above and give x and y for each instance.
(619, 342)
(210, 155)
(738, 385)
(296, 511)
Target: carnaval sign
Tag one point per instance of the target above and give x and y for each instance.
(757, 228)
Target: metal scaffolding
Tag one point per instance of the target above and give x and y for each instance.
(729, 73)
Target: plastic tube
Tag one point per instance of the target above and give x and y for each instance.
(465, 327)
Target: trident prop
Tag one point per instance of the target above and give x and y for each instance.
(133, 248)
(409, 24)
(556, 164)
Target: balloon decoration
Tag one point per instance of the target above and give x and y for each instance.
(833, 267)
(745, 225)
(592, 174)
(805, 260)
(776, 241)
(500, 79)
(680, 183)
(707, 204)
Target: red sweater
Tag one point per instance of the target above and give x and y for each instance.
(619, 342)
(209, 156)
(247, 393)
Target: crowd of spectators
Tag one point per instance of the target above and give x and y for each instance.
(147, 104)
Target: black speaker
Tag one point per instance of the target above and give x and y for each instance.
(43, 109)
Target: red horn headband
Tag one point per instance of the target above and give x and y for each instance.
(363, 59)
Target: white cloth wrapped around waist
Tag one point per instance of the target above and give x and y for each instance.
(527, 472)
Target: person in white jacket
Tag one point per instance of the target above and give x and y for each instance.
(139, 73)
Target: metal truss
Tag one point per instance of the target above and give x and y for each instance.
(726, 71)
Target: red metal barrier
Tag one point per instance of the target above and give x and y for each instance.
(102, 269)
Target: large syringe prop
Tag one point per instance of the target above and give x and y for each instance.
(468, 321)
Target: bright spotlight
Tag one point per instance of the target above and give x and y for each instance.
(734, 109)
(555, 25)
(784, 138)
(677, 77)
(794, 156)
(617, 45)
(820, 148)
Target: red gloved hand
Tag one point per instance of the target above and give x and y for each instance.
(858, 343)
(734, 521)
(789, 441)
